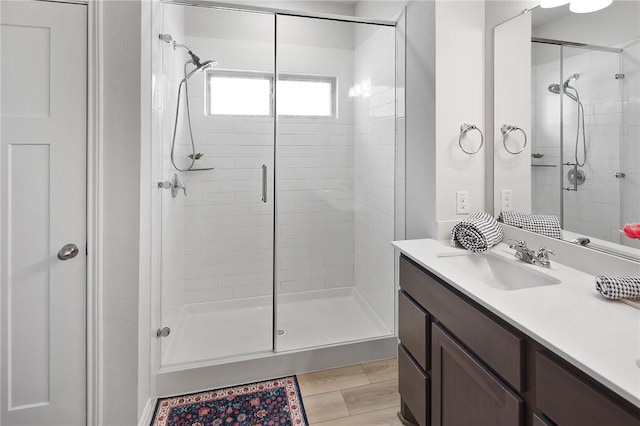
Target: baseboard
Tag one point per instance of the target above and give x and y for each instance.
(147, 413)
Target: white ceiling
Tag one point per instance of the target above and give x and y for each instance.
(540, 16)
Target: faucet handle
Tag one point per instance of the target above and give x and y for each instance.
(518, 244)
(543, 251)
(543, 256)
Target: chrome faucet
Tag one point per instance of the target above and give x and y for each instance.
(527, 255)
(522, 251)
(542, 257)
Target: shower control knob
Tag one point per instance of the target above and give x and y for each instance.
(620, 175)
(182, 186)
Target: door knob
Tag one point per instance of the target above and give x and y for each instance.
(68, 251)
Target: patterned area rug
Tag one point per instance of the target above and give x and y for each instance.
(268, 403)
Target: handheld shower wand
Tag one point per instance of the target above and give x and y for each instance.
(572, 78)
(199, 66)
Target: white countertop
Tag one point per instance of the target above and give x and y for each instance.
(598, 336)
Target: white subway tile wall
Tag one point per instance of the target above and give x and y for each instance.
(314, 186)
(375, 160)
(611, 123)
(228, 229)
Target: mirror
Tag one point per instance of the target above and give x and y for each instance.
(567, 121)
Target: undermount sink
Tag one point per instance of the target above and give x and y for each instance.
(501, 273)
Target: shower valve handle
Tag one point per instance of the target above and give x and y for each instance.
(174, 185)
(182, 186)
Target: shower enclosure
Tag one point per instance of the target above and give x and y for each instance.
(581, 145)
(274, 232)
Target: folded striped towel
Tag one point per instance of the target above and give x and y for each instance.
(478, 232)
(544, 224)
(618, 287)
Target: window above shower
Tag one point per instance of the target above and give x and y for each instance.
(249, 94)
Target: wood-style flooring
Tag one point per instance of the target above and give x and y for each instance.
(357, 395)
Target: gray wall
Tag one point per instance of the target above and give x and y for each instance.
(121, 215)
(495, 13)
(420, 120)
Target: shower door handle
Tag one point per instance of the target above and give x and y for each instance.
(264, 183)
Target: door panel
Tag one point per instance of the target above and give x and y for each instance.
(335, 174)
(591, 144)
(43, 207)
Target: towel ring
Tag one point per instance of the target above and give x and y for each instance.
(464, 128)
(506, 129)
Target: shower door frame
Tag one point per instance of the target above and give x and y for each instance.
(275, 12)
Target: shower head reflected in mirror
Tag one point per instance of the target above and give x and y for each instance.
(567, 81)
(572, 93)
(554, 88)
(557, 88)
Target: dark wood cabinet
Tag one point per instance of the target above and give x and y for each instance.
(460, 365)
(414, 330)
(415, 385)
(465, 392)
(540, 420)
(568, 400)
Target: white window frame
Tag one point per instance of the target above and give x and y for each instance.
(237, 74)
(332, 80)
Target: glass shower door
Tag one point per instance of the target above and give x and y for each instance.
(335, 177)
(217, 228)
(546, 134)
(591, 126)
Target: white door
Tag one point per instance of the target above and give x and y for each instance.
(43, 208)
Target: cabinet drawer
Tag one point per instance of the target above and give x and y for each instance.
(568, 400)
(501, 349)
(414, 330)
(414, 387)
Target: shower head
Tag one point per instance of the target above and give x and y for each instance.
(567, 81)
(206, 65)
(554, 88)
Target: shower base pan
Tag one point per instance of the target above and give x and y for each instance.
(219, 344)
(230, 328)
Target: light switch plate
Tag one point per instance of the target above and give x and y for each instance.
(462, 202)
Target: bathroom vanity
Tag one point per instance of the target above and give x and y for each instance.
(553, 354)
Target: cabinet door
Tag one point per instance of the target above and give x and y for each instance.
(464, 392)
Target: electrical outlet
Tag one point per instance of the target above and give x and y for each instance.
(506, 198)
(462, 202)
